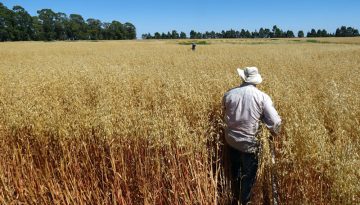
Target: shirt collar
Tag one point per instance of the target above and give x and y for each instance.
(247, 84)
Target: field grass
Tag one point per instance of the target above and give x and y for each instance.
(140, 122)
(197, 42)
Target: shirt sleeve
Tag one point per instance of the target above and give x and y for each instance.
(223, 102)
(271, 117)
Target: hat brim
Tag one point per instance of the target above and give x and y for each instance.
(256, 79)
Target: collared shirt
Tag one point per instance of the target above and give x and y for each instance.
(244, 108)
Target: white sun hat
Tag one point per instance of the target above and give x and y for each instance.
(250, 75)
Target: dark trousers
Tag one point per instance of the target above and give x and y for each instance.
(243, 172)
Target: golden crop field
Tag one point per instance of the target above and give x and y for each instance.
(140, 122)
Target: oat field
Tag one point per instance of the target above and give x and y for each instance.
(140, 122)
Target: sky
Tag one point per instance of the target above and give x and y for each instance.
(207, 15)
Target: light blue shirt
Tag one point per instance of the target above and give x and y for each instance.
(244, 108)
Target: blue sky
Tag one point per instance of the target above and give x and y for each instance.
(202, 15)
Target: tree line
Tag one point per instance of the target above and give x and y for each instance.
(275, 32)
(17, 24)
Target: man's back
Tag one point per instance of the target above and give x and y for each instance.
(245, 107)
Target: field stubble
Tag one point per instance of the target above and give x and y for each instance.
(136, 122)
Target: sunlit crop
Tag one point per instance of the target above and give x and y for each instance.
(140, 122)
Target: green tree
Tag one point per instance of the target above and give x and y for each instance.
(312, 33)
(105, 31)
(319, 33)
(277, 33)
(261, 33)
(341, 32)
(290, 34)
(182, 35)
(116, 30)
(324, 33)
(192, 34)
(23, 27)
(247, 34)
(356, 32)
(212, 34)
(6, 23)
(301, 34)
(174, 34)
(168, 35)
(255, 34)
(47, 18)
(94, 29)
(61, 24)
(77, 28)
(163, 36)
(157, 35)
(130, 31)
(38, 32)
(17, 24)
(230, 34)
(147, 36)
(242, 33)
(350, 32)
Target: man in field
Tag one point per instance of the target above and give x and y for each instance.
(244, 108)
(193, 46)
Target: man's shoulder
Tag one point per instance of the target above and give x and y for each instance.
(265, 97)
(232, 91)
(259, 95)
(262, 93)
(252, 90)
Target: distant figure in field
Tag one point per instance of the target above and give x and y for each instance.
(244, 108)
(193, 46)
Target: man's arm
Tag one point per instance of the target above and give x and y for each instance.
(223, 104)
(271, 117)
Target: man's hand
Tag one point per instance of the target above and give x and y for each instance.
(276, 130)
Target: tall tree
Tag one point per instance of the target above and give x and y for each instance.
(6, 23)
(130, 31)
(277, 33)
(261, 33)
(182, 35)
(47, 19)
(247, 34)
(157, 35)
(168, 35)
(105, 30)
(61, 25)
(267, 33)
(192, 34)
(23, 27)
(324, 33)
(163, 35)
(349, 32)
(116, 30)
(290, 34)
(38, 32)
(318, 33)
(213, 34)
(312, 33)
(341, 32)
(77, 27)
(242, 33)
(174, 34)
(94, 29)
(147, 36)
(17, 24)
(356, 32)
(301, 34)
